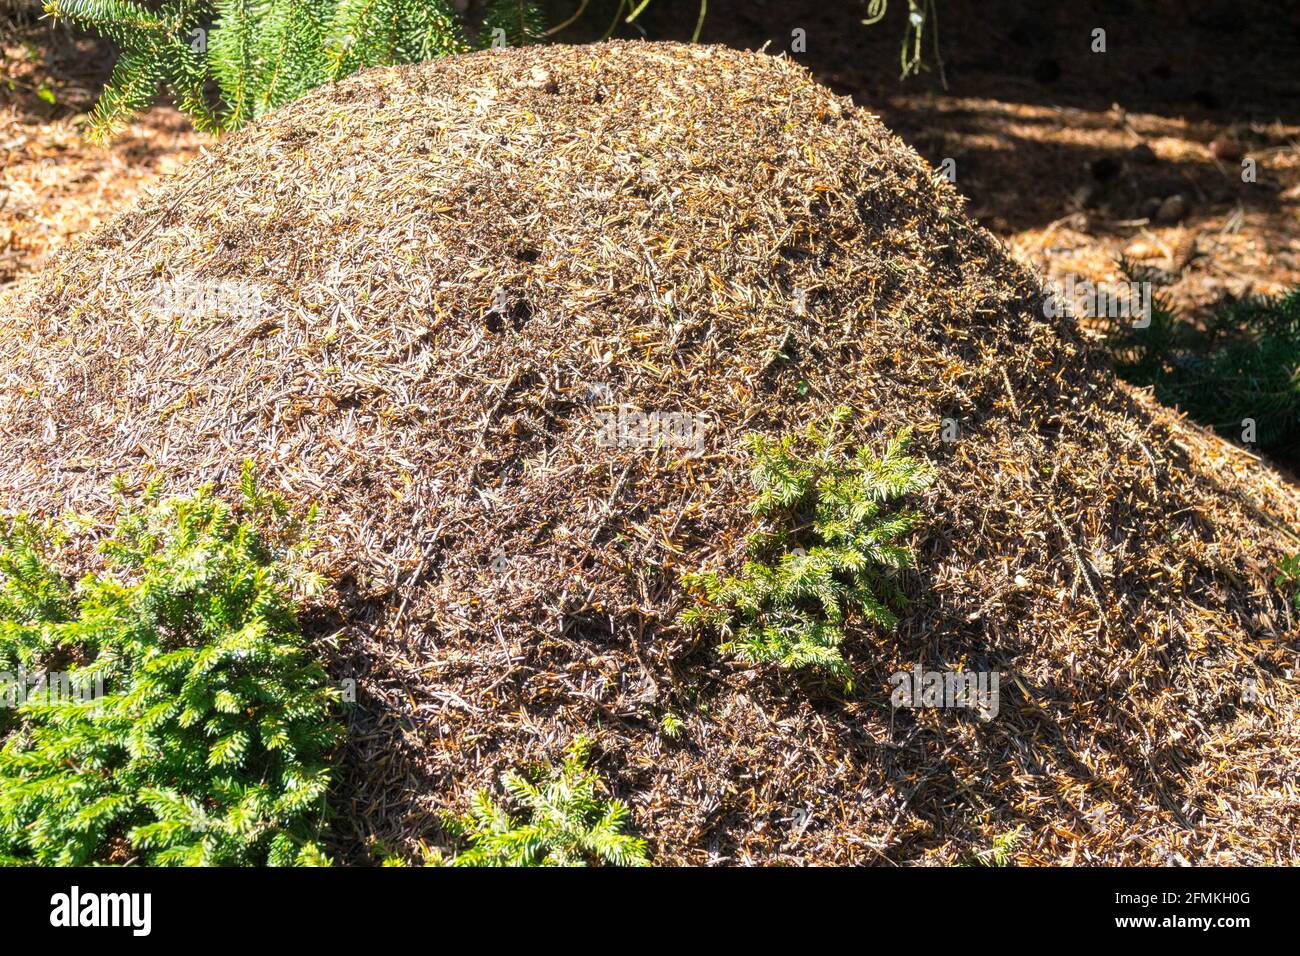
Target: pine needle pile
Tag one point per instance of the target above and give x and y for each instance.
(565, 821)
(465, 270)
(833, 550)
(207, 741)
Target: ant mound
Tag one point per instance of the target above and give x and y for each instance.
(511, 319)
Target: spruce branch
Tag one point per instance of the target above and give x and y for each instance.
(825, 556)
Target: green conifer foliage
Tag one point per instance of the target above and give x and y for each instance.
(368, 32)
(1288, 577)
(264, 53)
(209, 743)
(512, 23)
(826, 554)
(1239, 364)
(289, 46)
(157, 51)
(566, 821)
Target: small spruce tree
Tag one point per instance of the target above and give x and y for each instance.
(566, 822)
(208, 744)
(827, 553)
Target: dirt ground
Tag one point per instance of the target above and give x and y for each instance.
(54, 186)
(1072, 157)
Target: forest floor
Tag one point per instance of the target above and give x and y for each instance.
(55, 186)
(1072, 158)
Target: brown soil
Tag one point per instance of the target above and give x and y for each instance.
(54, 186)
(467, 260)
